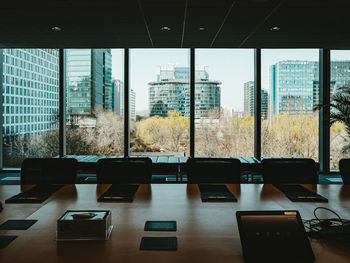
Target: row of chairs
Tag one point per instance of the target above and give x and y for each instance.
(64, 170)
(200, 170)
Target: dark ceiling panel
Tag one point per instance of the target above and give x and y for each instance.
(170, 17)
(239, 24)
(208, 18)
(34, 4)
(121, 23)
(83, 27)
(304, 24)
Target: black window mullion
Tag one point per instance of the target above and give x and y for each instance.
(192, 102)
(324, 112)
(62, 103)
(257, 103)
(126, 104)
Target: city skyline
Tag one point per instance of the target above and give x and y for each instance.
(30, 91)
(233, 67)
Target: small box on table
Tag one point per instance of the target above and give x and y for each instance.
(84, 225)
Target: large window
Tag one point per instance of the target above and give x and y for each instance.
(159, 95)
(290, 80)
(94, 85)
(224, 102)
(340, 78)
(159, 102)
(30, 92)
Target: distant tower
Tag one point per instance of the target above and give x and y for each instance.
(171, 92)
(249, 100)
(89, 80)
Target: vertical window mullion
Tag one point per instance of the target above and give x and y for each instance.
(257, 103)
(192, 102)
(62, 103)
(324, 112)
(126, 104)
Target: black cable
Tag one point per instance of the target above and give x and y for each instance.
(325, 208)
(328, 228)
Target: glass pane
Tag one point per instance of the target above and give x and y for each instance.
(159, 102)
(30, 104)
(224, 102)
(94, 80)
(290, 77)
(340, 78)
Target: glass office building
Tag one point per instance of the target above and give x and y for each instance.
(171, 92)
(118, 99)
(107, 80)
(340, 73)
(132, 105)
(294, 84)
(249, 100)
(30, 91)
(291, 86)
(89, 80)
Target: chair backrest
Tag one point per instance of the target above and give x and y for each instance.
(213, 170)
(49, 171)
(289, 171)
(132, 170)
(344, 168)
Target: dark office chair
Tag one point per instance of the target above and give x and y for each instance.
(213, 170)
(344, 168)
(46, 171)
(124, 171)
(289, 171)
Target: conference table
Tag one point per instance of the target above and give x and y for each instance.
(206, 232)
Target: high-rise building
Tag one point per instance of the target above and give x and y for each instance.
(340, 73)
(316, 90)
(132, 104)
(107, 80)
(291, 86)
(30, 90)
(171, 92)
(294, 84)
(89, 80)
(264, 104)
(118, 99)
(249, 100)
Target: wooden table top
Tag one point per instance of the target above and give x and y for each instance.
(207, 232)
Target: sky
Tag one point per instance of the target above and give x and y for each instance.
(232, 67)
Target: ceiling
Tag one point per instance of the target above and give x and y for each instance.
(138, 23)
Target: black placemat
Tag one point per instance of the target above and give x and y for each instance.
(160, 226)
(119, 193)
(159, 243)
(17, 224)
(6, 240)
(298, 193)
(216, 193)
(37, 194)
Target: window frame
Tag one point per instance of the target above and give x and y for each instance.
(324, 98)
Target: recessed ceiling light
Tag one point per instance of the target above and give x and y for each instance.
(275, 28)
(201, 28)
(165, 28)
(56, 28)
